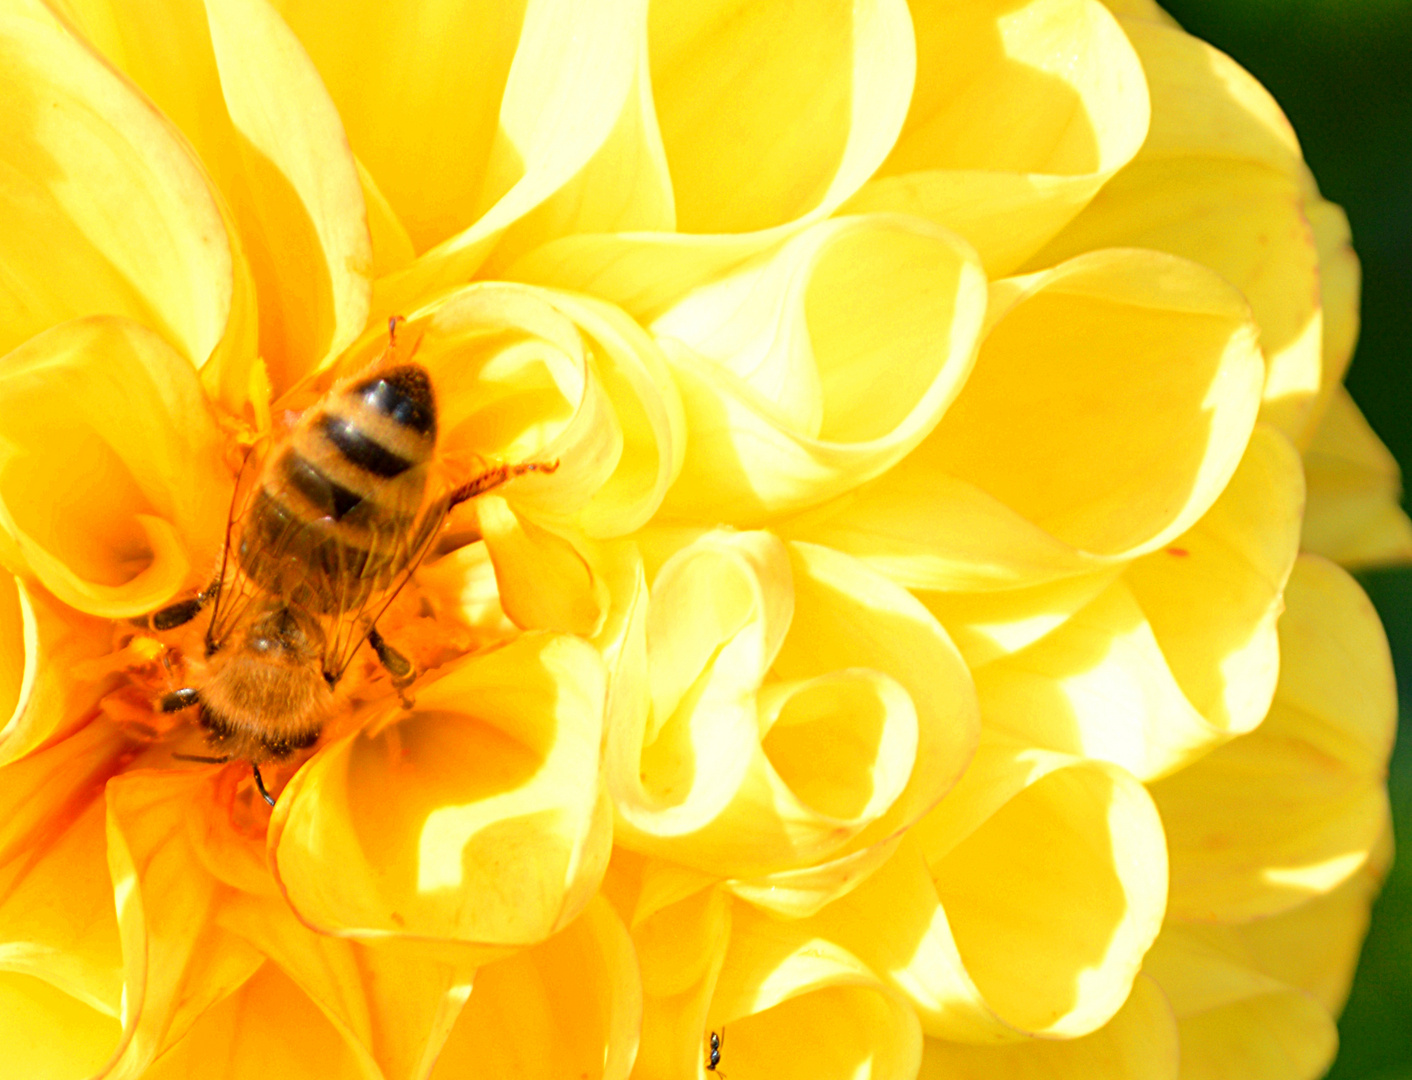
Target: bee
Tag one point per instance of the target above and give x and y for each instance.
(714, 1056)
(336, 518)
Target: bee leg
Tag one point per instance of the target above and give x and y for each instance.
(398, 666)
(180, 613)
(495, 476)
(204, 759)
(260, 784)
(180, 699)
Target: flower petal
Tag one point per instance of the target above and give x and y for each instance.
(104, 209)
(545, 583)
(1220, 182)
(267, 1028)
(1233, 1020)
(1044, 883)
(42, 642)
(558, 101)
(836, 91)
(1297, 806)
(177, 963)
(778, 361)
(1139, 1043)
(300, 193)
(393, 1002)
(57, 908)
(1009, 490)
(1353, 516)
(1021, 113)
(475, 818)
(1178, 654)
(570, 1006)
(797, 1006)
(116, 523)
(49, 1034)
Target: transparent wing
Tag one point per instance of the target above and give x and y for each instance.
(235, 591)
(366, 593)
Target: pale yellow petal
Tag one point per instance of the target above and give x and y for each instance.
(392, 247)
(544, 581)
(300, 194)
(778, 365)
(476, 817)
(1297, 806)
(1354, 516)
(1009, 490)
(1139, 1043)
(104, 209)
(1181, 652)
(1340, 282)
(41, 643)
(1021, 113)
(1047, 884)
(1220, 182)
(1234, 1022)
(569, 1007)
(528, 94)
(793, 1006)
(128, 512)
(760, 133)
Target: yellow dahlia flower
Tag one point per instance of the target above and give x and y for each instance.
(910, 667)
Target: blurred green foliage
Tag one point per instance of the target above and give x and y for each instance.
(1342, 70)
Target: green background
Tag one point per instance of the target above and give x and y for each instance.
(1342, 70)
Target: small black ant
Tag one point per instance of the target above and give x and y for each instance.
(717, 1041)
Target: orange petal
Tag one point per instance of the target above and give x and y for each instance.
(133, 508)
(41, 643)
(570, 1006)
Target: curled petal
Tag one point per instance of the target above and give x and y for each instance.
(120, 520)
(570, 1006)
(1233, 1020)
(1041, 884)
(1139, 1043)
(41, 643)
(1220, 182)
(1297, 806)
(1011, 491)
(794, 1005)
(1340, 281)
(1021, 113)
(770, 118)
(788, 785)
(777, 364)
(1355, 485)
(544, 582)
(476, 817)
(105, 209)
(1181, 652)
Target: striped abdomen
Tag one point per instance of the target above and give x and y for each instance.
(330, 521)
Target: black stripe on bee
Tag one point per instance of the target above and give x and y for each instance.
(358, 449)
(324, 493)
(404, 395)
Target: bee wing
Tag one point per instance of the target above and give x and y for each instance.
(235, 591)
(360, 608)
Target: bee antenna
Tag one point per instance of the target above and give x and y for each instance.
(260, 784)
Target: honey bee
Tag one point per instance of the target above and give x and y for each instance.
(337, 517)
